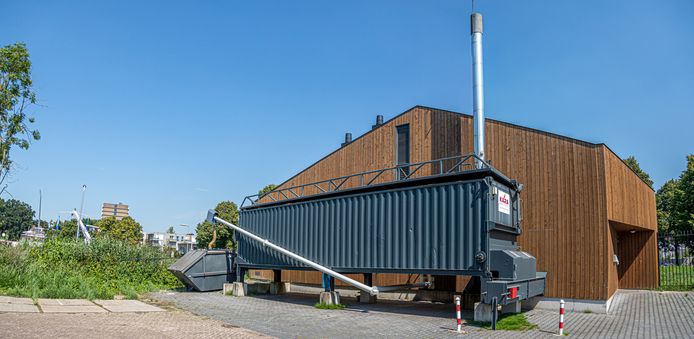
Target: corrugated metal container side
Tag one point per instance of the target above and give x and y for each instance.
(420, 229)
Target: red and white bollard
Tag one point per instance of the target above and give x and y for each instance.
(457, 313)
(561, 317)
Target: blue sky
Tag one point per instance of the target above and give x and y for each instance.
(171, 107)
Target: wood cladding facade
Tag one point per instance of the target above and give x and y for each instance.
(575, 192)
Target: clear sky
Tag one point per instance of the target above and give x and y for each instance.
(171, 107)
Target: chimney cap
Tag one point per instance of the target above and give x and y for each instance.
(348, 138)
(475, 23)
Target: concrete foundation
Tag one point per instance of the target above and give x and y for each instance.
(514, 307)
(279, 287)
(237, 289)
(570, 305)
(483, 312)
(330, 298)
(366, 298)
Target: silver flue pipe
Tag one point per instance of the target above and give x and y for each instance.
(212, 217)
(477, 85)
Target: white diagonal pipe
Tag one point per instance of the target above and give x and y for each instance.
(87, 237)
(477, 85)
(369, 289)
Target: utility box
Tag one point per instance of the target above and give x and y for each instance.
(205, 270)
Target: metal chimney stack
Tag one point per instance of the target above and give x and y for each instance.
(477, 84)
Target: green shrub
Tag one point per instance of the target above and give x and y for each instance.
(62, 268)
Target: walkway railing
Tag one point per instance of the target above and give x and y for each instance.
(437, 167)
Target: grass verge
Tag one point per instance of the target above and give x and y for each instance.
(676, 278)
(72, 269)
(509, 322)
(329, 306)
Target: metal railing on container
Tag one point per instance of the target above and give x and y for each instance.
(400, 172)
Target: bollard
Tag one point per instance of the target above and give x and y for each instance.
(457, 313)
(561, 317)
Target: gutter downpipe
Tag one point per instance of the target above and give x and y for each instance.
(212, 217)
(477, 85)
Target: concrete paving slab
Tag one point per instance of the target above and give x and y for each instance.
(15, 300)
(72, 309)
(65, 302)
(18, 308)
(123, 306)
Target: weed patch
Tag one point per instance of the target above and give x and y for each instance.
(509, 322)
(72, 269)
(329, 306)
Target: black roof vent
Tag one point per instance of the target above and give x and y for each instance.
(348, 139)
(379, 121)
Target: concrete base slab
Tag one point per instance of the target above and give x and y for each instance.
(239, 289)
(15, 300)
(366, 298)
(227, 288)
(18, 308)
(72, 309)
(514, 307)
(570, 305)
(483, 312)
(64, 302)
(279, 288)
(123, 306)
(329, 298)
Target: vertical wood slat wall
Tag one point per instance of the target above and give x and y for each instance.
(568, 187)
(630, 207)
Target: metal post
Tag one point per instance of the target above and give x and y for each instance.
(495, 313)
(677, 251)
(40, 198)
(561, 317)
(457, 313)
(368, 279)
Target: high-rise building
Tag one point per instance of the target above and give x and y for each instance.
(119, 210)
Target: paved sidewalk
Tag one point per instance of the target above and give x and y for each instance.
(79, 318)
(26, 305)
(634, 314)
(170, 324)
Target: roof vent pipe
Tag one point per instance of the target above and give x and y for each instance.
(477, 84)
(348, 138)
(379, 121)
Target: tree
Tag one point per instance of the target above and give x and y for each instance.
(634, 165)
(16, 95)
(66, 230)
(267, 189)
(171, 230)
(228, 211)
(665, 202)
(15, 217)
(682, 214)
(676, 203)
(126, 229)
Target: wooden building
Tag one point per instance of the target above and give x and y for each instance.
(583, 208)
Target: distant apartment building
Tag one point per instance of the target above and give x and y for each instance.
(119, 210)
(181, 242)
